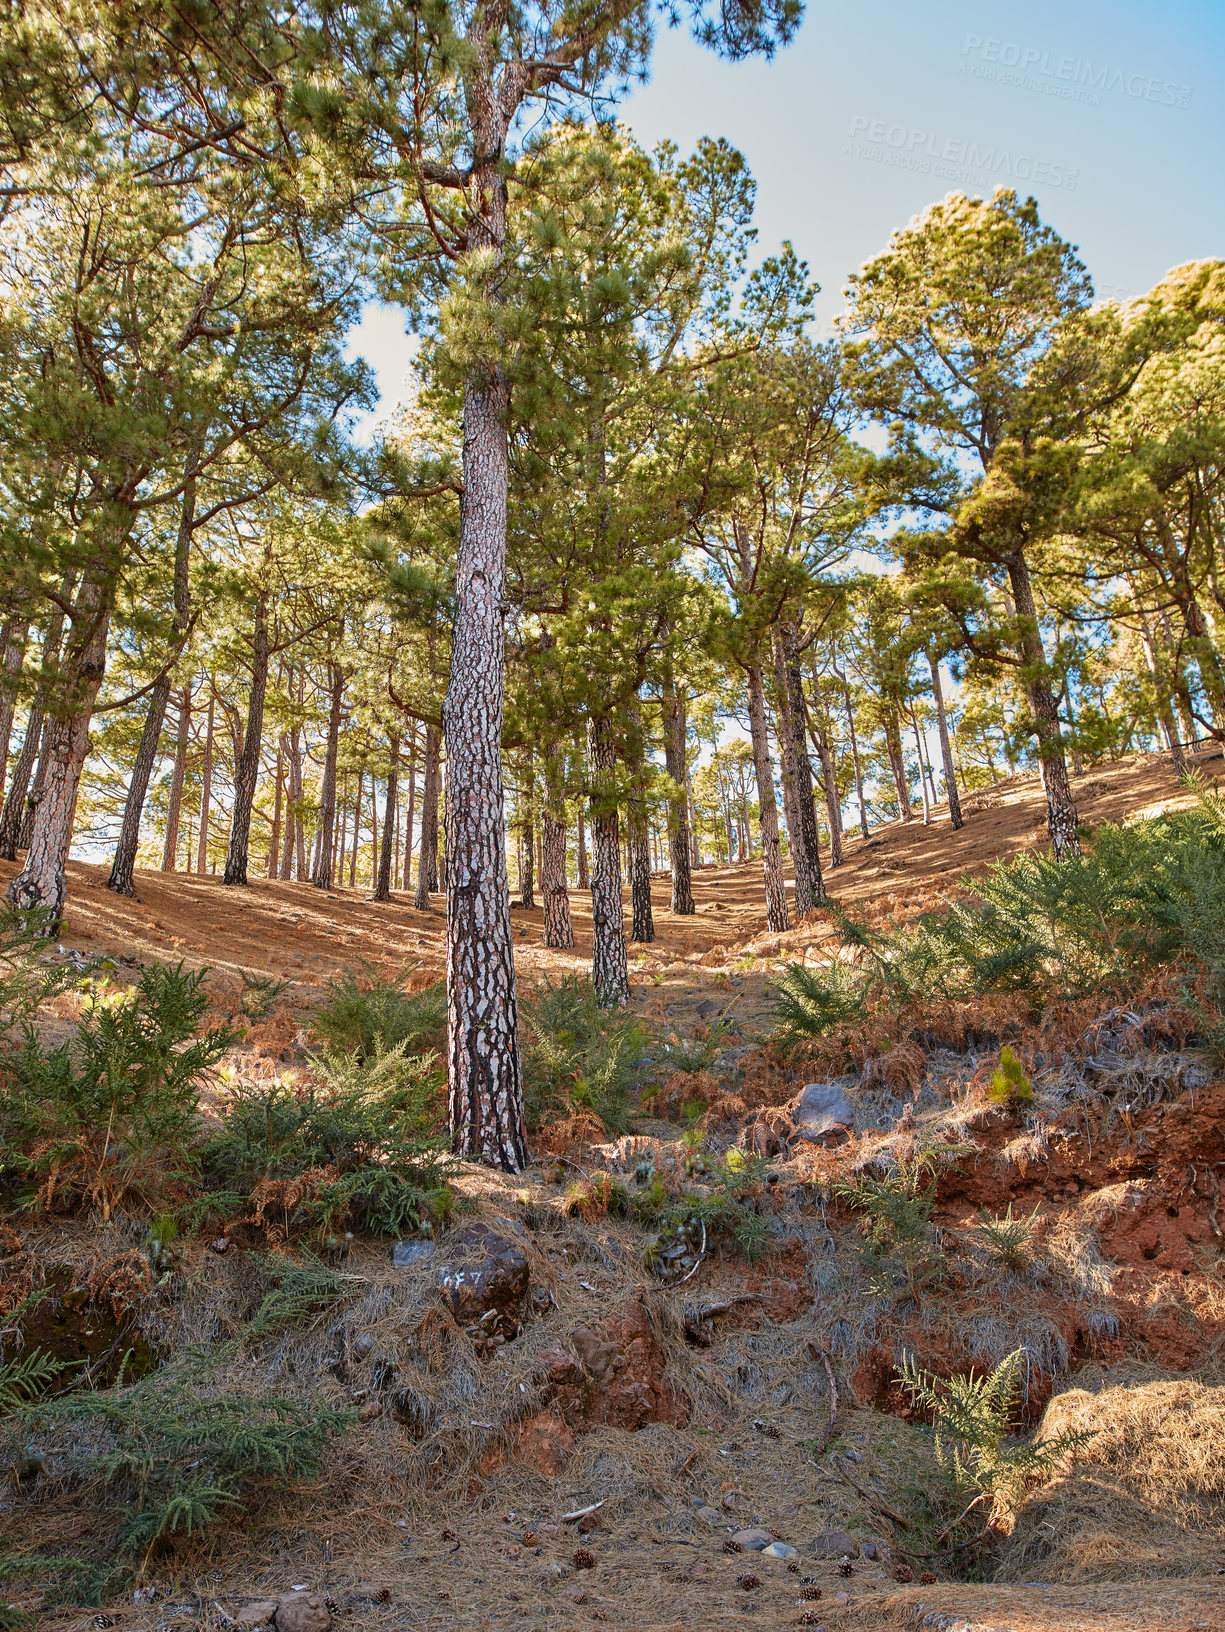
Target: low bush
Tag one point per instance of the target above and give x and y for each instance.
(897, 1215)
(366, 1015)
(578, 1056)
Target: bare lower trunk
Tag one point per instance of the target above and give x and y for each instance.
(278, 799)
(777, 918)
(123, 868)
(15, 803)
(642, 918)
(854, 741)
(527, 858)
(583, 871)
(427, 859)
(410, 815)
(897, 765)
(246, 769)
(829, 777)
(357, 830)
(10, 669)
(293, 819)
(946, 746)
(918, 748)
(1044, 707)
(558, 930)
(41, 882)
(680, 853)
(327, 791)
(382, 890)
(174, 804)
(793, 740)
(609, 968)
(486, 1086)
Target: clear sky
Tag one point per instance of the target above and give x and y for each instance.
(1113, 116)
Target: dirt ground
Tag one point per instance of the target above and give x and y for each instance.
(736, 1432)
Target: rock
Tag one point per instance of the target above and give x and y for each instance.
(486, 1282)
(258, 1613)
(619, 1378)
(302, 1611)
(876, 1549)
(406, 1254)
(822, 1114)
(545, 1444)
(708, 1515)
(549, 1572)
(779, 1549)
(754, 1540)
(220, 1245)
(835, 1544)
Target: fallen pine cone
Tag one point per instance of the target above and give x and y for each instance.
(793, 1568)
(583, 1560)
(810, 1595)
(845, 1567)
(749, 1581)
(529, 1538)
(903, 1574)
(730, 1546)
(927, 1579)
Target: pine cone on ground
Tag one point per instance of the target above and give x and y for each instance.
(927, 1579)
(903, 1574)
(584, 1560)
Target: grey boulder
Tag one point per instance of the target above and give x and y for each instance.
(822, 1114)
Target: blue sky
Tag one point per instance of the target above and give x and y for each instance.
(1112, 116)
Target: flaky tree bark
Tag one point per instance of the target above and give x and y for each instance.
(41, 882)
(174, 804)
(609, 967)
(793, 739)
(946, 746)
(14, 642)
(327, 792)
(1044, 708)
(558, 930)
(833, 805)
(427, 857)
(680, 852)
(777, 918)
(246, 772)
(206, 778)
(382, 889)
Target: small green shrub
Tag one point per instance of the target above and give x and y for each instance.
(259, 995)
(1005, 1238)
(26, 1375)
(367, 1015)
(1009, 1084)
(897, 1219)
(578, 1056)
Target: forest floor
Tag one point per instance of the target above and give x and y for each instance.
(693, 1411)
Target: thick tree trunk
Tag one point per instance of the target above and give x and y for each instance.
(14, 640)
(609, 967)
(327, 792)
(793, 739)
(174, 804)
(558, 930)
(642, 918)
(206, 779)
(382, 890)
(427, 858)
(246, 771)
(680, 854)
(777, 918)
(486, 1087)
(41, 882)
(1044, 707)
(946, 746)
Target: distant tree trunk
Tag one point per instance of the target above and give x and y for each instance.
(1044, 708)
(850, 723)
(793, 740)
(374, 829)
(675, 763)
(1165, 712)
(638, 835)
(246, 771)
(427, 859)
(819, 729)
(274, 843)
(777, 918)
(174, 804)
(357, 829)
(610, 970)
(327, 790)
(13, 816)
(946, 746)
(206, 780)
(897, 763)
(527, 845)
(293, 823)
(583, 873)
(41, 882)
(382, 891)
(14, 642)
(558, 930)
(918, 746)
(410, 815)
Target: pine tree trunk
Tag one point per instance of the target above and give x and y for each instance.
(41, 883)
(327, 792)
(278, 795)
(486, 1088)
(675, 763)
(946, 746)
(123, 869)
(609, 967)
(246, 771)
(427, 858)
(410, 815)
(558, 930)
(1165, 712)
(174, 804)
(293, 821)
(382, 890)
(854, 740)
(583, 871)
(15, 803)
(10, 669)
(777, 918)
(1044, 707)
(897, 764)
(918, 746)
(374, 830)
(206, 780)
(357, 830)
(36, 792)
(829, 777)
(527, 851)
(793, 740)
